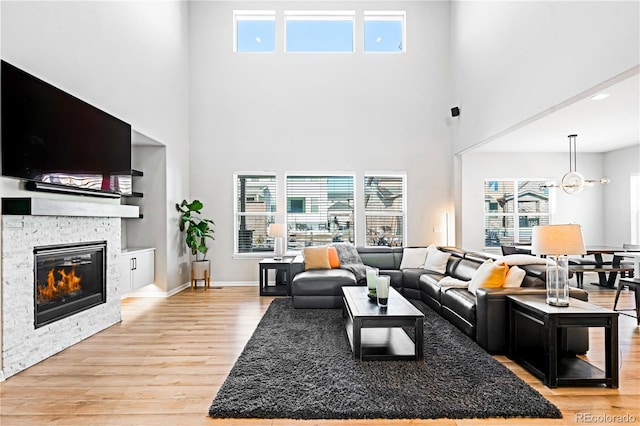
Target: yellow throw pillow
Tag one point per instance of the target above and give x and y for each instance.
(488, 275)
(316, 258)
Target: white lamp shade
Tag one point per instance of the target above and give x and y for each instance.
(276, 230)
(557, 240)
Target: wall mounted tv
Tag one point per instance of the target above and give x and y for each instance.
(56, 142)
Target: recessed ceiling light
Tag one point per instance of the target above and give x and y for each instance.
(258, 39)
(378, 40)
(599, 96)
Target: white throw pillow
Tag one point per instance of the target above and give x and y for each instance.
(521, 259)
(436, 260)
(515, 276)
(413, 257)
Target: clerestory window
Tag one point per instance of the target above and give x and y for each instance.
(325, 31)
(384, 32)
(254, 31)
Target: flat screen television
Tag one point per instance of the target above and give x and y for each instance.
(52, 138)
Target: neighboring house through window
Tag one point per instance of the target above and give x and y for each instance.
(385, 209)
(320, 209)
(512, 208)
(255, 209)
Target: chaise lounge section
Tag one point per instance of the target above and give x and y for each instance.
(482, 316)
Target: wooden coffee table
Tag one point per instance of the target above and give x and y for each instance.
(376, 333)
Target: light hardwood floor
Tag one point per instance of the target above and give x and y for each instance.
(163, 364)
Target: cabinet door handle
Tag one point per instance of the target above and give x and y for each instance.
(135, 263)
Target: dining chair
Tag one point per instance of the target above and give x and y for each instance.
(625, 263)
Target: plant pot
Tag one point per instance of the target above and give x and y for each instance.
(200, 271)
(199, 267)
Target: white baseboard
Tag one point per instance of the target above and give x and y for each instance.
(1, 376)
(154, 292)
(234, 284)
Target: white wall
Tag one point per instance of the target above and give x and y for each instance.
(584, 208)
(319, 112)
(618, 166)
(127, 58)
(513, 60)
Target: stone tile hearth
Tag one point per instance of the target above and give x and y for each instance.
(22, 344)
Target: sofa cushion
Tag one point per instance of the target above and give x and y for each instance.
(411, 277)
(381, 257)
(459, 307)
(321, 282)
(316, 258)
(465, 269)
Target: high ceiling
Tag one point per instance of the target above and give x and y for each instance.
(601, 125)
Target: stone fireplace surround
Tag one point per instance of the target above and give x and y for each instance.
(22, 344)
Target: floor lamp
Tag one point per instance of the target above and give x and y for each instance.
(557, 241)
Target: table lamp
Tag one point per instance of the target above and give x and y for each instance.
(278, 232)
(557, 241)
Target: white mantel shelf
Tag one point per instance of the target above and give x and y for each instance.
(49, 207)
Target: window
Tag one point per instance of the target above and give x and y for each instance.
(384, 209)
(384, 32)
(308, 31)
(512, 208)
(635, 208)
(254, 31)
(255, 209)
(320, 210)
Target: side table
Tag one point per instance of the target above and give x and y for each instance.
(544, 359)
(282, 285)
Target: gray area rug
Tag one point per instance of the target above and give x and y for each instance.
(298, 364)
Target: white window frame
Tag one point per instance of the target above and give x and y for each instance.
(398, 15)
(379, 213)
(237, 214)
(634, 184)
(252, 15)
(516, 213)
(320, 15)
(352, 175)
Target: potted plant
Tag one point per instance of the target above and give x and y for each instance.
(197, 230)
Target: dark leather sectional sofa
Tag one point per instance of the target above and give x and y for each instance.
(483, 316)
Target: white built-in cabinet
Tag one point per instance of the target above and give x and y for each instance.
(136, 268)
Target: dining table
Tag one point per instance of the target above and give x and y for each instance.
(605, 279)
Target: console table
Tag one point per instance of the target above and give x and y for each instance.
(545, 359)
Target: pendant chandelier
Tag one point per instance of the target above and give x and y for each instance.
(573, 181)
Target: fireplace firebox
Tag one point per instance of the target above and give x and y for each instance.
(69, 279)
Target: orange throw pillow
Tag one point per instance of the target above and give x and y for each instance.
(334, 260)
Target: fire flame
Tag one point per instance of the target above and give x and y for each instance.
(68, 283)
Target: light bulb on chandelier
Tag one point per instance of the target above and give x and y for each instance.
(573, 181)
